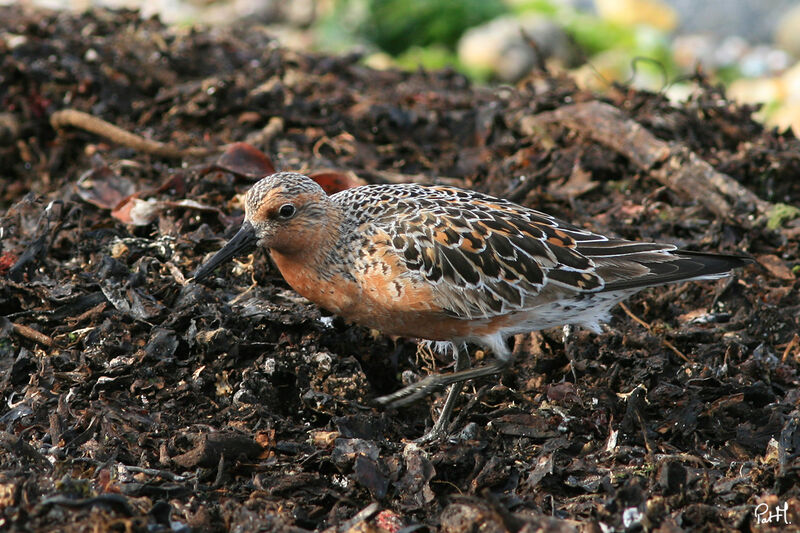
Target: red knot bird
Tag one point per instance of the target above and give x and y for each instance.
(449, 265)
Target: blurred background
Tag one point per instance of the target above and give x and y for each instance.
(750, 46)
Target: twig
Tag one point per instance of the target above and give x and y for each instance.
(78, 119)
(363, 515)
(30, 333)
(672, 164)
(155, 472)
(649, 328)
(263, 137)
(794, 343)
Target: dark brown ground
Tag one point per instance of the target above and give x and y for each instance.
(133, 401)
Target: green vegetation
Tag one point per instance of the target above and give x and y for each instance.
(780, 214)
(425, 32)
(434, 56)
(397, 25)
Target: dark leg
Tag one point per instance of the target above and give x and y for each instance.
(433, 382)
(439, 428)
(566, 334)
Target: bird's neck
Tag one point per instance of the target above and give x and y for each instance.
(320, 270)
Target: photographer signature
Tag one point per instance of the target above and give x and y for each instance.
(776, 515)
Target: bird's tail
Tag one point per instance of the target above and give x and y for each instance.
(678, 265)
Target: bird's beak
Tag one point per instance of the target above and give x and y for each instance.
(244, 239)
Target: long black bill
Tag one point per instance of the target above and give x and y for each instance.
(244, 239)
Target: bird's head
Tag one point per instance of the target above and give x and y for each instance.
(285, 212)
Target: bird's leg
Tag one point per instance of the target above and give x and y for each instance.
(439, 428)
(566, 332)
(433, 382)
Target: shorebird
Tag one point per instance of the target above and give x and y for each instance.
(449, 265)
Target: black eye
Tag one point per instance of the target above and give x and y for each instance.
(286, 211)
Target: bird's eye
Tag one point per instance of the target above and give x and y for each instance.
(286, 211)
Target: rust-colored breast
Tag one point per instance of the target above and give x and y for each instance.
(381, 294)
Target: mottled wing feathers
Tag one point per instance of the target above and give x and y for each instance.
(487, 256)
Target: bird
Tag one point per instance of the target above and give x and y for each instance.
(449, 266)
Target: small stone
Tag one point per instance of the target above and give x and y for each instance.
(500, 46)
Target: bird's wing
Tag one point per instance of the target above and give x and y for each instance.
(486, 256)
